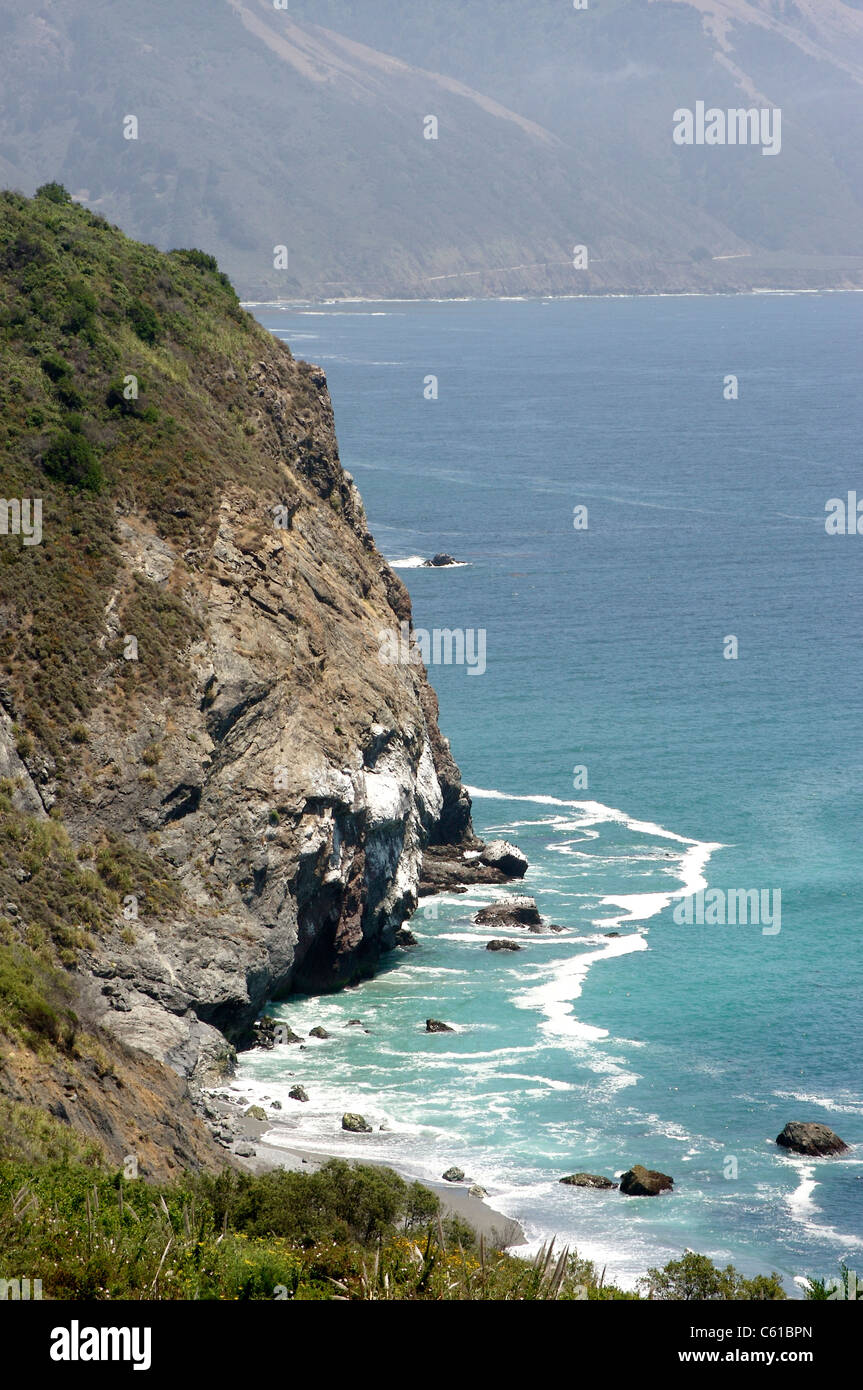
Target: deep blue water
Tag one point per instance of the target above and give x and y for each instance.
(682, 1047)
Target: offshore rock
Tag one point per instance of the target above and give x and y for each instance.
(809, 1138)
(500, 854)
(355, 1124)
(594, 1180)
(644, 1182)
(514, 911)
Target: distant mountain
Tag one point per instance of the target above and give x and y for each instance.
(259, 128)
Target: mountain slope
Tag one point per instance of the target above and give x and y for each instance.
(259, 128)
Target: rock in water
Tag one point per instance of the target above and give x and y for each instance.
(405, 937)
(809, 1138)
(355, 1124)
(517, 910)
(298, 1093)
(502, 945)
(589, 1180)
(645, 1182)
(500, 854)
(319, 1032)
(440, 560)
(453, 1175)
(476, 1191)
(434, 1025)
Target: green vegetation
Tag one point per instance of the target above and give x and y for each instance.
(125, 380)
(696, 1277)
(343, 1232)
(53, 905)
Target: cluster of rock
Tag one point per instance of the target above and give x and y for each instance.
(635, 1182)
(455, 868)
(803, 1137)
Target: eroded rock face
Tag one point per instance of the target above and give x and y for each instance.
(290, 791)
(809, 1138)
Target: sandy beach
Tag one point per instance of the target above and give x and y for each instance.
(455, 1198)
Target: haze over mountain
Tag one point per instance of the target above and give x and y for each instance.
(259, 127)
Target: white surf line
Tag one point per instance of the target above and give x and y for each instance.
(555, 997)
(637, 906)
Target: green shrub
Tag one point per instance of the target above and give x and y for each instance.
(70, 459)
(144, 321)
(54, 192)
(695, 1277)
(55, 367)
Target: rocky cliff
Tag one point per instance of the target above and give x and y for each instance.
(214, 789)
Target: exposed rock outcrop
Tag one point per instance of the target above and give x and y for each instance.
(501, 944)
(440, 561)
(355, 1124)
(807, 1137)
(500, 854)
(513, 911)
(588, 1180)
(645, 1182)
(434, 1025)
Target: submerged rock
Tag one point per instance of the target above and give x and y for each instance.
(453, 1175)
(405, 937)
(644, 1182)
(500, 854)
(355, 1124)
(319, 1032)
(810, 1138)
(500, 944)
(298, 1093)
(588, 1180)
(517, 910)
(434, 1025)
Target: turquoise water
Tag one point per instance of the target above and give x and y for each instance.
(683, 1047)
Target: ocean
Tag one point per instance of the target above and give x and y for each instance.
(633, 751)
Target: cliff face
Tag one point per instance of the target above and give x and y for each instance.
(241, 788)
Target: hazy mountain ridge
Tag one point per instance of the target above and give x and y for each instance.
(260, 128)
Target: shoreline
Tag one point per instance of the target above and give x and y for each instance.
(455, 1198)
(538, 298)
